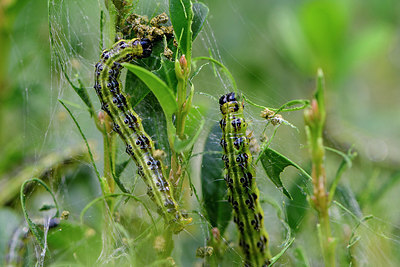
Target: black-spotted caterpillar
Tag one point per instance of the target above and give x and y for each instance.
(243, 193)
(129, 126)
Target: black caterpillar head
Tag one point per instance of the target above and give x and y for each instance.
(229, 103)
(230, 97)
(146, 46)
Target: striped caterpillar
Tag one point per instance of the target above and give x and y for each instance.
(243, 193)
(129, 126)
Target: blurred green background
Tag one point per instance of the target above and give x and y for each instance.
(273, 49)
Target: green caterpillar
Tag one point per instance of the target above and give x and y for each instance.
(129, 126)
(243, 193)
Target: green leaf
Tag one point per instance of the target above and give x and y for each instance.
(119, 168)
(222, 66)
(34, 228)
(84, 139)
(194, 126)
(167, 73)
(346, 197)
(187, 144)
(319, 95)
(297, 207)
(181, 14)
(161, 91)
(71, 242)
(388, 184)
(156, 125)
(274, 163)
(145, 103)
(292, 106)
(136, 89)
(200, 13)
(325, 24)
(81, 91)
(94, 201)
(346, 163)
(46, 207)
(367, 44)
(218, 210)
(275, 258)
(83, 94)
(301, 257)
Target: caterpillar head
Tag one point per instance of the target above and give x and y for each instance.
(230, 97)
(146, 46)
(229, 103)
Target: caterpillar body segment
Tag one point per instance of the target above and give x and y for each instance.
(243, 193)
(128, 125)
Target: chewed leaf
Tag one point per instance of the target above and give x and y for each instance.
(181, 17)
(295, 217)
(167, 73)
(200, 11)
(274, 163)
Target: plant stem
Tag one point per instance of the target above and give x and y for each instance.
(182, 70)
(321, 204)
(109, 144)
(314, 118)
(108, 157)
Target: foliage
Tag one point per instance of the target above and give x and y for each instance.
(267, 52)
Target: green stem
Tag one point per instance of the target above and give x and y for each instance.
(314, 118)
(182, 71)
(181, 97)
(321, 202)
(109, 155)
(326, 240)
